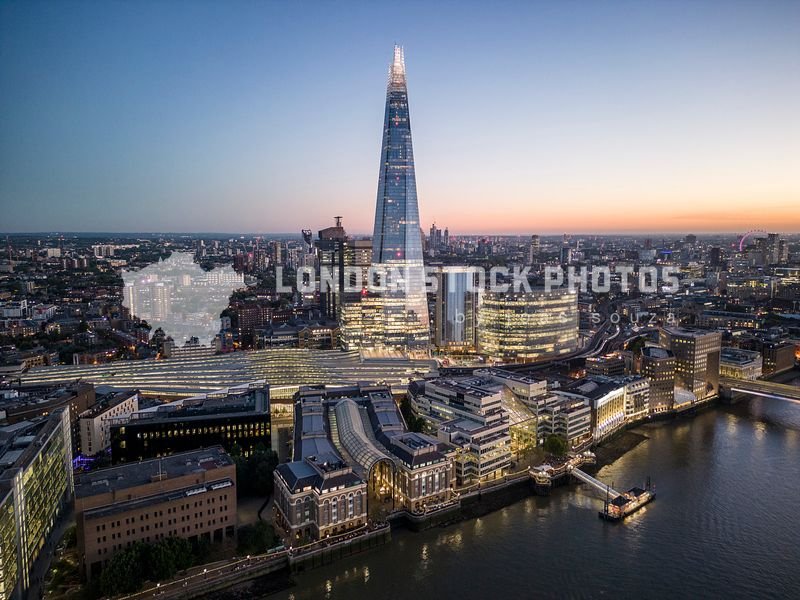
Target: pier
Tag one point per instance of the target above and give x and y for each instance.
(595, 483)
(617, 506)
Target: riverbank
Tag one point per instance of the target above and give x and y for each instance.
(616, 447)
(706, 527)
(489, 501)
(260, 587)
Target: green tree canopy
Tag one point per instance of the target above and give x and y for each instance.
(555, 445)
(254, 473)
(130, 568)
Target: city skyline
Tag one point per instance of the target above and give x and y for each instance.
(586, 119)
(232, 362)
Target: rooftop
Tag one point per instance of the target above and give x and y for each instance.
(511, 376)
(739, 357)
(688, 333)
(595, 388)
(245, 398)
(107, 402)
(135, 474)
(139, 503)
(302, 474)
(21, 442)
(357, 425)
(190, 371)
(656, 352)
(472, 386)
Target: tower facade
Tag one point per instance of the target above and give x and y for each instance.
(397, 237)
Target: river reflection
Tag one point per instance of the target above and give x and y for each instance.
(725, 519)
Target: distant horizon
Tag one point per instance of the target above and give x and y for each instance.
(607, 118)
(278, 234)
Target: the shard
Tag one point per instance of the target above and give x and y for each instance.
(397, 238)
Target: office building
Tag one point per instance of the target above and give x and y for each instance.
(354, 459)
(231, 417)
(566, 416)
(317, 497)
(36, 487)
(565, 255)
(190, 495)
(468, 413)
(778, 356)
(533, 249)
(607, 365)
(637, 397)
(27, 402)
(527, 389)
(329, 261)
(357, 261)
(773, 249)
(525, 326)
(362, 322)
(715, 257)
(696, 359)
(740, 364)
(455, 322)
(95, 423)
(607, 400)
(720, 319)
(343, 267)
(658, 367)
(397, 238)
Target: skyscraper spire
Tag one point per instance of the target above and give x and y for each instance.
(397, 70)
(397, 239)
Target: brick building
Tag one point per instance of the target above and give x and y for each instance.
(190, 495)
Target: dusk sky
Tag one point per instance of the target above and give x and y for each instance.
(530, 117)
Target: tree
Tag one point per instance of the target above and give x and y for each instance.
(637, 345)
(70, 539)
(254, 473)
(256, 539)
(124, 572)
(414, 422)
(555, 445)
(130, 568)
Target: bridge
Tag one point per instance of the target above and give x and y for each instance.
(758, 387)
(595, 483)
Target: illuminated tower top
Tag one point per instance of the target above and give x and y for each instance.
(397, 236)
(397, 239)
(397, 71)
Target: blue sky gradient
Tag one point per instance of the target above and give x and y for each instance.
(527, 117)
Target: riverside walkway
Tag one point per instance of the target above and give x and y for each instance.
(595, 483)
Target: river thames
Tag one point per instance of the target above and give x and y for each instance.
(726, 521)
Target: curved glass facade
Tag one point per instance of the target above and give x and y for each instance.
(353, 436)
(528, 326)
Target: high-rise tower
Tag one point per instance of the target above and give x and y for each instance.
(397, 238)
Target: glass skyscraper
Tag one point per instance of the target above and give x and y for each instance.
(523, 326)
(397, 239)
(455, 321)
